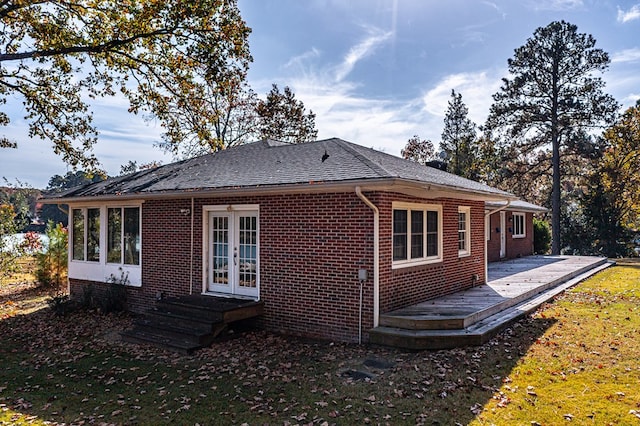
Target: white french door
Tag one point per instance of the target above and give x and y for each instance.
(233, 252)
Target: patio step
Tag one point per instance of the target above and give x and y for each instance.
(185, 324)
(479, 332)
(465, 308)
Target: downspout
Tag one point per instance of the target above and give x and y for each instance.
(486, 258)
(376, 255)
(191, 260)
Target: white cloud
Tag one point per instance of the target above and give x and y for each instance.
(632, 14)
(627, 55)
(366, 47)
(301, 59)
(476, 89)
(555, 5)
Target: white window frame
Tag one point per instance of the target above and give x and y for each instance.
(487, 227)
(102, 271)
(518, 216)
(425, 260)
(467, 231)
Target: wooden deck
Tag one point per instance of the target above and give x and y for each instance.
(471, 317)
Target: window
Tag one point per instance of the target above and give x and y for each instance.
(123, 235)
(86, 234)
(464, 240)
(519, 230)
(416, 234)
(121, 240)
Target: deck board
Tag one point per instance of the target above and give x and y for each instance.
(510, 282)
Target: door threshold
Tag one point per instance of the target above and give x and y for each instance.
(229, 296)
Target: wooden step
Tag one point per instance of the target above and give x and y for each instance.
(185, 324)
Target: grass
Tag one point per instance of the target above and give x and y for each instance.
(574, 359)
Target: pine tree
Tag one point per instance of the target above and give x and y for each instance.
(459, 141)
(552, 99)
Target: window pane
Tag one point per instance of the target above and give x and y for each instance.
(399, 234)
(78, 234)
(93, 235)
(462, 231)
(114, 235)
(417, 234)
(432, 233)
(131, 240)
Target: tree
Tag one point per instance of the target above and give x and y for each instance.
(56, 53)
(420, 151)
(554, 99)
(58, 183)
(282, 117)
(459, 139)
(612, 202)
(231, 119)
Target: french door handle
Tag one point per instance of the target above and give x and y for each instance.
(235, 256)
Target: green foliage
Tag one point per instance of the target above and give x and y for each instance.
(159, 54)
(283, 118)
(459, 142)
(552, 97)
(51, 269)
(115, 298)
(541, 236)
(611, 201)
(9, 250)
(60, 304)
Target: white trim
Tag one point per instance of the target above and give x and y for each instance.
(101, 270)
(376, 255)
(229, 209)
(467, 238)
(406, 263)
(522, 234)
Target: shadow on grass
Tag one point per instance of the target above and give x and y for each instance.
(73, 369)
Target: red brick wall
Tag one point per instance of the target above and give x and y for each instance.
(407, 286)
(311, 248)
(515, 247)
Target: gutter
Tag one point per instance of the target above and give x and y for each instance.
(376, 255)
(486, 256)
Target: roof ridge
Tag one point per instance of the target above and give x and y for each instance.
(373, 165)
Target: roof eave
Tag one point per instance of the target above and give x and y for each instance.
(409, 187)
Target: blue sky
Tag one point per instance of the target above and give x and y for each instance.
(375, 72)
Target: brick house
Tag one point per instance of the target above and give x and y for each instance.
(328, 234)
(509, 229)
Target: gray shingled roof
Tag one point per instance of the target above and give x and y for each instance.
(518, 205)
(270, 164)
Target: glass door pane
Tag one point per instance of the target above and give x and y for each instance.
(247, 251)
(219, 250)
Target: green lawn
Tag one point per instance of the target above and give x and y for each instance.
(575, 359)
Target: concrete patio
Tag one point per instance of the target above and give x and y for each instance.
(471, 317)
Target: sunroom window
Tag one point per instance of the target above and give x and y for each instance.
(86, 234)
(417, 237)
(123, 235)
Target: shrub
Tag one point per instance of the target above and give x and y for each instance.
(51, 269)
(115, 298)
(541, 236)
(9, 249)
